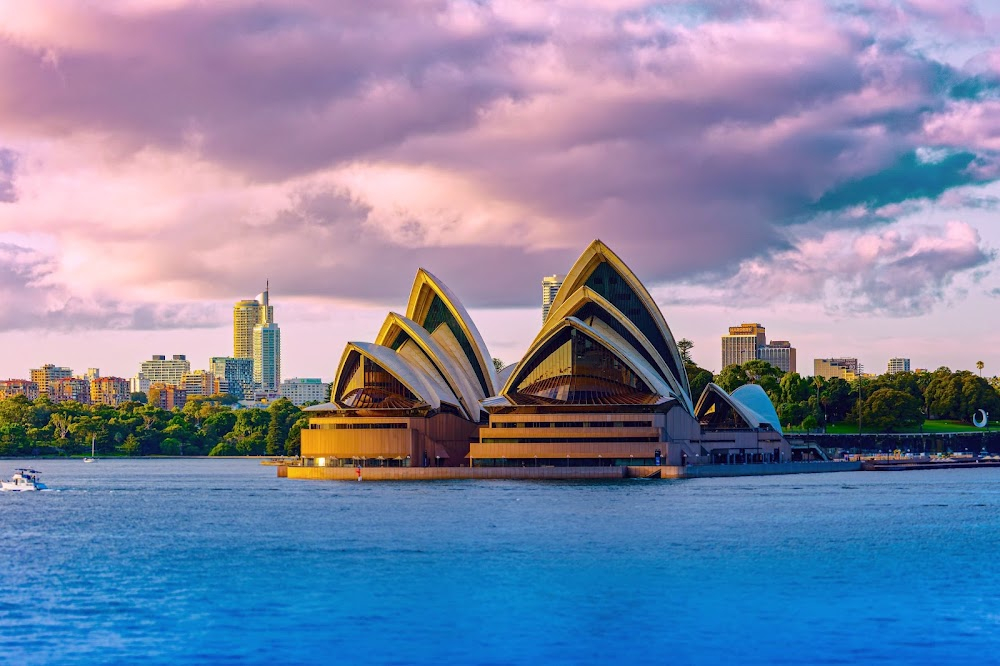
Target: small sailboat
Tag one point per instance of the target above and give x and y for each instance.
(93, 456)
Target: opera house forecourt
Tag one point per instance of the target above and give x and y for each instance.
(602, 385)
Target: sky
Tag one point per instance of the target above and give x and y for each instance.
(829, 169)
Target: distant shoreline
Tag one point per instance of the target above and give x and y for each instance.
(151, 457)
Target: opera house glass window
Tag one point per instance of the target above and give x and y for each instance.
(576, 369)
(606, 281)
(371, 386)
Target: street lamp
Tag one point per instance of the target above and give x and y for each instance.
(860, 392)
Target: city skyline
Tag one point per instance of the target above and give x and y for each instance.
(705, 352)
(853, 207)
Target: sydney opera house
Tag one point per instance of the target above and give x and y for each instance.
(602, 384)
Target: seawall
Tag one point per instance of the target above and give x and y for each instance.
(560, 473)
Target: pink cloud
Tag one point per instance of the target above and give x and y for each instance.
(186, 145)
(966, 125)
(895, 272)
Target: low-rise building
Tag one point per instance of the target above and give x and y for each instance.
(234, 375)
(898, 365)
(199, 382)
(302, 390)
(70, 388)
(780, 354)
(161, 370)
(46, 374)
(109, 391)
(11, 387)
(166, 396)
(828, 368)
(140, 384)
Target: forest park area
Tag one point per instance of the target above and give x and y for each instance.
(207, 425)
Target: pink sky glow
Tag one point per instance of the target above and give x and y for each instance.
(828, 169)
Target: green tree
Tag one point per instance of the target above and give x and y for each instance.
(19, 410)
(248, 433)
(13, 439)
(138, 396)
(684, 346)
(225, 448)
(170, 447)
(61, 426)
(980, 365)
(498, 364)
(87, 429)
(293, 444)
(731, 378)
(131, 446)
(792, 413)
(794, 388)
(888, 409)
(952, 395)
(282, 414)
(698, 378)
(217, 426)
(837, 399)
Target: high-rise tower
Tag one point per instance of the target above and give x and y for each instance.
(267, 356)
(246, 315)
(257, 337)
(550, 287)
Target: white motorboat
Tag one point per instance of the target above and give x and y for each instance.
(23, 480)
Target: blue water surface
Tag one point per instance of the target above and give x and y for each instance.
(219, 561)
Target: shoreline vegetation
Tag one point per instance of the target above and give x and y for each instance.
(207, 426)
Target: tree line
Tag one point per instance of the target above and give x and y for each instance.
(887, 403)
(207, 425)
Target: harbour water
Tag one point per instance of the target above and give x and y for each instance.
(218, 561)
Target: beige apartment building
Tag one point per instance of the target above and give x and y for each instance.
(45, 375)
(828, 368)
(109, 391)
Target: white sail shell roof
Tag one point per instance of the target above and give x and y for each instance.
(609, 339)
(425, 287)
(755, 400)
(429, 391)
(596, 254)
(455, 375)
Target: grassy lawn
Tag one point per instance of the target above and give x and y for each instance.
(942, 426)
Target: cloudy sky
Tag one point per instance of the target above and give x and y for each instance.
(829, 169)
